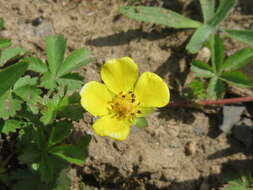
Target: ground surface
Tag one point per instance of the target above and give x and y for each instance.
(182, 149)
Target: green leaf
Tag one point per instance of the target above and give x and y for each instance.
(30, 154)
(75, 60)
(1, 23)
(24, 81)
(63, 182)
(72, 81)
(52, 107)
(204, 31)
(4, 43)
(31, 95)
(36, 65)
(237, 78)
(48, 81)
(158, 15)
(46, 169)
(73, 112)
(141, 122)
(9, 105)
(199, 37)
(217, 49)
(27, 181)
(84, 141)
(238, 59)
(216, 88)
(10, 126)
(59, 132)
(244, 36)
(70, 153)
(10, 75)
(225, 7)
(55, 49)
(11, 53)
(208, 9)
(202, 69)
(197, 89)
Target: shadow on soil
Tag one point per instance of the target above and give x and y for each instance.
(230, 170)
(122, 38)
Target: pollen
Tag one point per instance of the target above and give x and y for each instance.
(124, 106)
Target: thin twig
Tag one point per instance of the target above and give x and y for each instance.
(210, 102)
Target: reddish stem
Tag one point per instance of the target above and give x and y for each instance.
(211, 102)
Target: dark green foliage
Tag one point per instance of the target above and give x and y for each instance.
(212, 18)
(223, 71)
(39, 108)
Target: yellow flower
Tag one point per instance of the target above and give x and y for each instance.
(122, 98)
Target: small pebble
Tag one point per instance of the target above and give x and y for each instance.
(37, 21)
(190, 148)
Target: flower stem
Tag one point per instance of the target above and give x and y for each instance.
(211, 102)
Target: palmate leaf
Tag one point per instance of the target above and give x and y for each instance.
(237, 78)
(55, 49)
(4, 43)
(238, 59)
(204, 31)
(208, 9)
(53, 106)
(31, 95)
(36, 65)
(9, 105)
(158, 15)
(10, 75)
(10, 53)
(73, 110)
(75, 60)
(217, 49)
(59, 132)
(70, 153)
(72, 81)
(245, 36)
(216, 88)
(48, 81)
(202, 69)
(25, 81)
(10, 126)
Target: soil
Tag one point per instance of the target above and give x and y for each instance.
(183, 148)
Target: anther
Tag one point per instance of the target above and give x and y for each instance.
(133, 100)
(139, 111)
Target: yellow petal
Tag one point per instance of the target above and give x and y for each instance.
(119, 75)
(95, 98)
(112, 127)
(152, 91)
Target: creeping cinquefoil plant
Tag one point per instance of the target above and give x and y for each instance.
(122, 99)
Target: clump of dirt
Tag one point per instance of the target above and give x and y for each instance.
(182, 148)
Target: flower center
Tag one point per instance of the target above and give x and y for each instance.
(125, 106)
